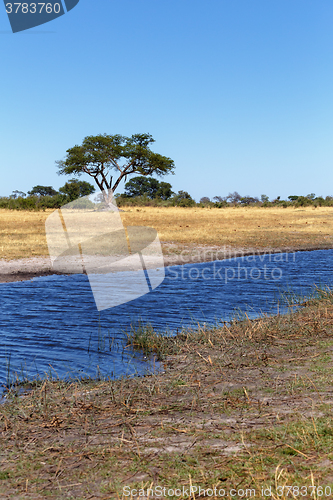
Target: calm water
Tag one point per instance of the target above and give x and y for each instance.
(51, 324)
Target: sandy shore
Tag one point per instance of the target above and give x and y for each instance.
(174, 254)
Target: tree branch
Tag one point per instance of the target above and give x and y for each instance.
(116, 184)
(115, 164)
(107, 185)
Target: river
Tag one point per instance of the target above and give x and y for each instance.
(51, 325)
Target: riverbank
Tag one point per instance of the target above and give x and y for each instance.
(173, 254)
(246, 406)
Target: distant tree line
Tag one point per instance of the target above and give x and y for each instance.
(235, 199)
(140, 190)
(147, 191)
(42, 197)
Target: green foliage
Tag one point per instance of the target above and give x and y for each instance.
(248, 200)
(19, 203)
(42, 191)
(147, 186)
(147, 340)
(319, 202)
(56, 201)
(147, 191)
(38, 201)
(164, 191)
(303, 201)
(183, 199)
(141, 201)
(100, 154)
(74, 189)
(219, 202)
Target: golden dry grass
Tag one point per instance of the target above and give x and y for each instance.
(22, 234)
(238, 227)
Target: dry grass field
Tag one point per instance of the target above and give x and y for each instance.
(239, 227)
(22, 234)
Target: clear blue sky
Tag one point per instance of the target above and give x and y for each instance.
(239, 93)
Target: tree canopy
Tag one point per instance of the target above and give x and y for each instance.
(183, 199)
(148, 186)
(74, 189)
(204, 200)
(101, 155)
(42, 191)
(17, 194)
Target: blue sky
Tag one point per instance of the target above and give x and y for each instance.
(239, 93)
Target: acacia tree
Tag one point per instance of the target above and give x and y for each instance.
(99, 156)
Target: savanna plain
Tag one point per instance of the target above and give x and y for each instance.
(22, 233)
(240, 410)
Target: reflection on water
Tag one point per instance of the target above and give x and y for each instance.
(51, 324)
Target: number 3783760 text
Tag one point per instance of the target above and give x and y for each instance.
(33, 8)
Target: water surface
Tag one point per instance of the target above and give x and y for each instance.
(51, 324)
